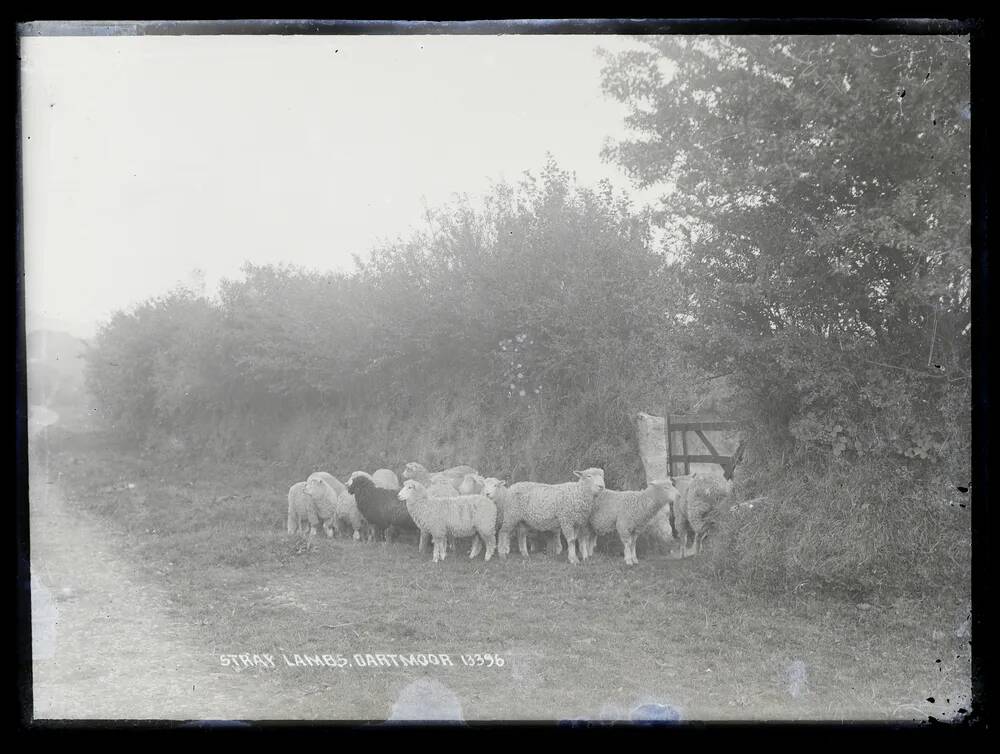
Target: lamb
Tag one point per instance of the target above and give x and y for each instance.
(436, 485)
(345, 507)
(380, 507)
(462, 516)
(339, 487)
(456, 474)
(472, 484)
(663, 526)
(324, 500)
(701, 500)
(452, 476)
(499, 493)
(418, 471)
(386, 479)
(628, 513)
(309, 501)
(300, 508)
(552, 507)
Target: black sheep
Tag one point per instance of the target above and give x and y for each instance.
(382, 508)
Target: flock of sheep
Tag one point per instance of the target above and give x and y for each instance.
(458, 502)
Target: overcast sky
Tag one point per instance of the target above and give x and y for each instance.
(146, 158)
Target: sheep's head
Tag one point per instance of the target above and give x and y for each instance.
(592, 479)
(359, 480)
(492, 486)
(414, 470)
(412, 490)
(471, 483)
(664, 489)
(315, 486)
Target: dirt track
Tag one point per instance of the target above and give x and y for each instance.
(103, 645)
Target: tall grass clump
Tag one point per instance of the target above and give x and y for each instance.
(863, 528)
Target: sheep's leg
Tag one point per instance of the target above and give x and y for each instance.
(570, 533)
(477, 545)
(583, 542)
(422, 544)
(631, 549)
(522, 540)
(328, 528)
(503, 543)
(624, 537)
(687, 546)
(491, 543)
(357, 535)
(558, 543)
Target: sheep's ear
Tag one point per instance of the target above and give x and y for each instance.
(578, 474)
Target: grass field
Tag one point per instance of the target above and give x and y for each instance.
(593, 641)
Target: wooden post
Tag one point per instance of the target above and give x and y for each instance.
(684, 450)
(670, 459)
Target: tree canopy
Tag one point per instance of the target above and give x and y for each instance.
(817, 190)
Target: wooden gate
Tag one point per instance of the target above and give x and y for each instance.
(678, 430)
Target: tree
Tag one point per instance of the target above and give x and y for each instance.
(817, 190)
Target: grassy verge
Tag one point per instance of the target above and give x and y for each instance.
(593, 641)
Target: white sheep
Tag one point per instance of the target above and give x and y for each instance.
(472, 484)
(452, 476)
(386, 479)
(663, 525)
(339, 487)
(310, 501)
(628, 512)
(462, 516)
(438, 489)
(300, 509)
(456, 474)
(418, 471)
(324, 500)
(438, 485)
(702, 498)
(499, 493)
(345, 509)
(562, 508)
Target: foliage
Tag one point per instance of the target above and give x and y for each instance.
(817, 190)
(545, 302)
